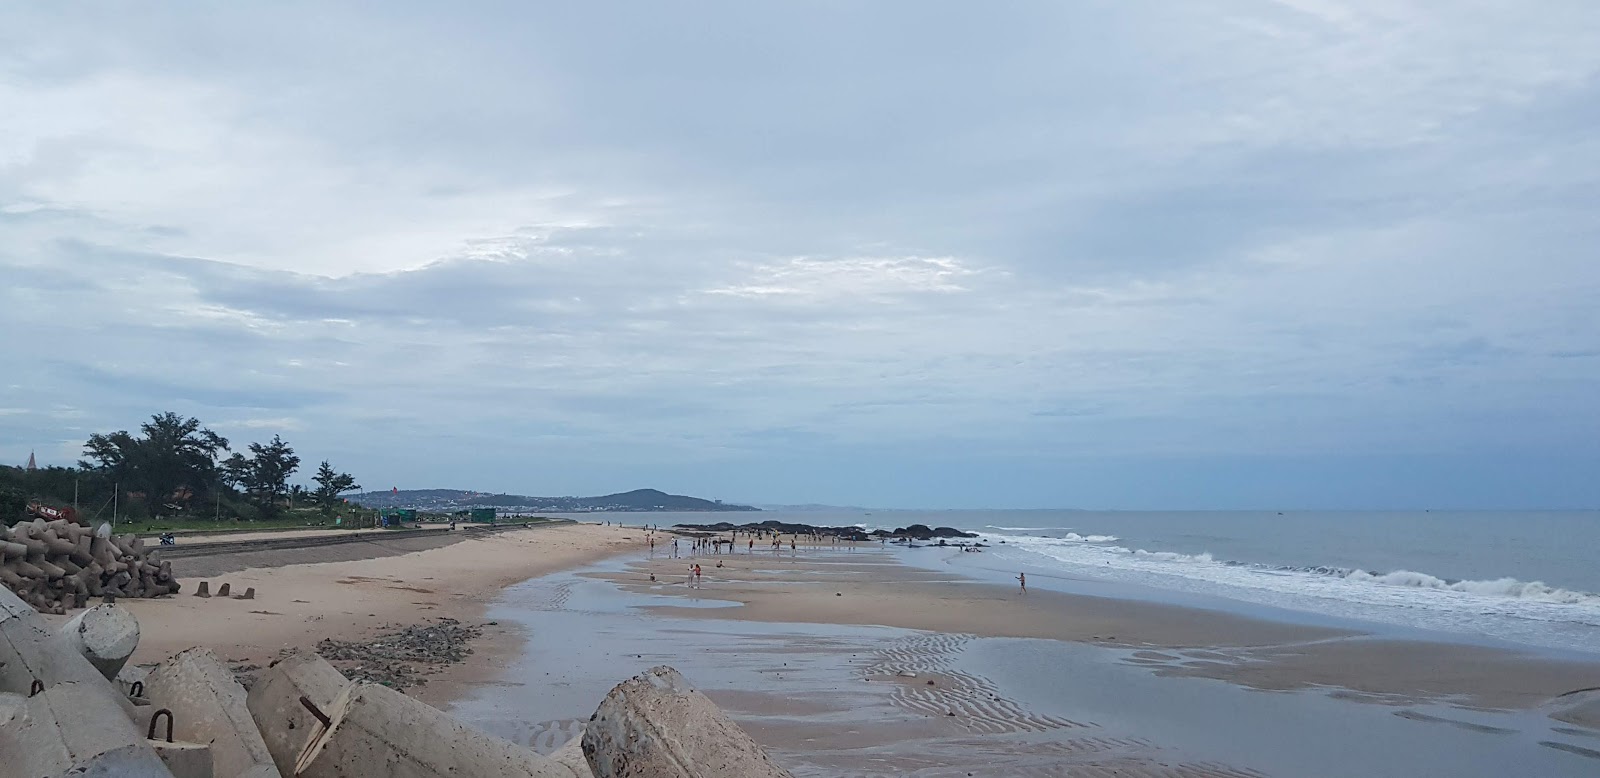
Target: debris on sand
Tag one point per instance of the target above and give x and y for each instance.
(391, 658)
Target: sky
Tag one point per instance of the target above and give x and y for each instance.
(1106, 254)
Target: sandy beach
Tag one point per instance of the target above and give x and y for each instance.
(297, 604)
(853, 663)
(826, 585)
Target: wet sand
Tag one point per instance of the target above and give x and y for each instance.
(827, 586)
(850, 663)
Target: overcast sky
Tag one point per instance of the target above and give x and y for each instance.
(1101, 254)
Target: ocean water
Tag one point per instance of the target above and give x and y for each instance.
(1529, 578)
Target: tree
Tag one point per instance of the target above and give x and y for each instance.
(330, 484)
(173, 458)
(264, 475)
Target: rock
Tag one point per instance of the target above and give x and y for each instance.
(373, 730)
(274, 703)
(924, 532)
(106, 635)
(209, 706)
(655, 726)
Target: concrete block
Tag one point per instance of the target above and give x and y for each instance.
(106, 635)
(373, 730)
(30, 653)
(274, 703)
(9, 705)
(69, 729)
(185, 760)
(203, 590)
(208, 706)
(654, 724)
(222, 591)
(571, 757)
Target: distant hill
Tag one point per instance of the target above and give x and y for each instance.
(459, 499)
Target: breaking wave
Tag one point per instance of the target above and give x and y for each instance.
(1499, 587)
(1082, 549)
(1070, 536)
(1076, 538)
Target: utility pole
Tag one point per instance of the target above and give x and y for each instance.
(74, 492)
(116, 491)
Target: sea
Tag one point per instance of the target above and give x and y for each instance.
(1525, 578)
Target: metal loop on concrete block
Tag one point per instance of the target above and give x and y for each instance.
(151, 735)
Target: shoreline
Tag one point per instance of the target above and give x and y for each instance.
(867, 588)
(790, 646)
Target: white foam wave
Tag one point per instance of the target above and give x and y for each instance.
(1169, 556)
(1094, 549)
(1025, 529)
(1499, 587)
(1076, 538)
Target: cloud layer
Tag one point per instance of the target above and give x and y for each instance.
(1112, 254)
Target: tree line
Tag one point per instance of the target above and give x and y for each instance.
(175, 466)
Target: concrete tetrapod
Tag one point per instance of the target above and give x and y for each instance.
(30, 653)
(208, 706)
(654, 725)
(69, 729)
(286, 724)
(373, 731)
(570, 756)
(106, 635)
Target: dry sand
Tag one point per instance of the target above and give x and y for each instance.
(868, 587)
(299, 604)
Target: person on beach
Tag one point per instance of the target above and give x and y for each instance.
(697, 573)
(752, 545)
(1022, 579)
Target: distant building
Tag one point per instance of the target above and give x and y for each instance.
(32, 465)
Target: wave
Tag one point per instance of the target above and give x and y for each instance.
(1076, 538)
(1082, 549)
(1070, 536)
(1499, 587)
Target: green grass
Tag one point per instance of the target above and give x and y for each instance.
(295, 519)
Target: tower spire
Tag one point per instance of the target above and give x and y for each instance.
(32, 465)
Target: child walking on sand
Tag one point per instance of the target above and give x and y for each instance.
(1022, 578)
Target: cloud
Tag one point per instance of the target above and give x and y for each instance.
(536, 248)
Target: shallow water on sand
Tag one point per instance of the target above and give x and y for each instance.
(1526, 577)
(833, 700)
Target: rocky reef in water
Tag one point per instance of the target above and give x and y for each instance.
(913, 532)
